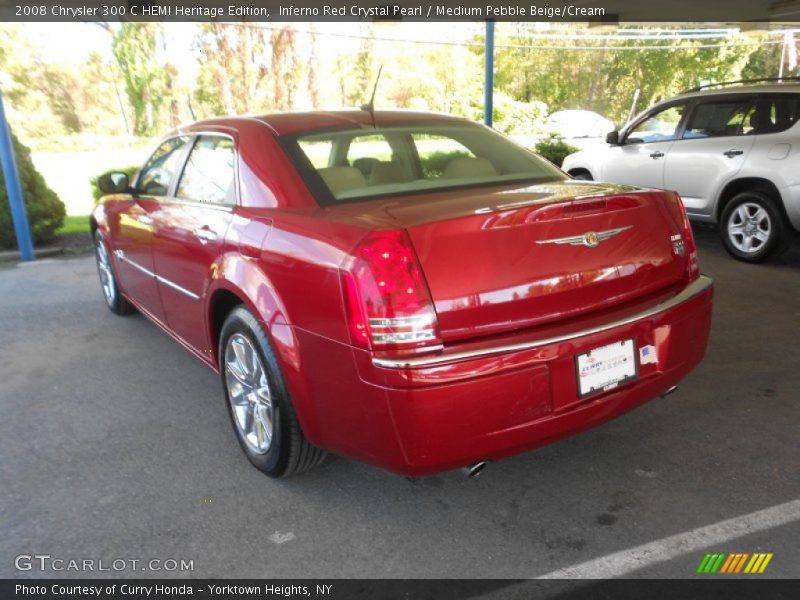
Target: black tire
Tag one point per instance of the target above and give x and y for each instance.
(752, 227)
(115, 301)
(289, 452)
(581, 174)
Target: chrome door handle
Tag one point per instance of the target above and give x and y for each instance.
(205, 235)
(656, 155)
(732, 153)
(145, 220)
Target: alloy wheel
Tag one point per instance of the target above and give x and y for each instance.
(249, 393)
(749, 227)
(105, 272)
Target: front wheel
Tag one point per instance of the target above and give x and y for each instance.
(108, 281)
(261, 412)
(752, 227)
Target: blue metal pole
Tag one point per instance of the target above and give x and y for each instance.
(488, 91)
(18, 213)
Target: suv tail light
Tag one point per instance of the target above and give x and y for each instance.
(388, 303)
(685, 245)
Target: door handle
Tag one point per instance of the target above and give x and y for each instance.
(732, 153)
(656, 154)
(205, 235)
(145, 220)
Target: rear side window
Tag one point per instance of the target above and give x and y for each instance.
(158, 171)
(209, 173)
(774, 114)
(723, 118)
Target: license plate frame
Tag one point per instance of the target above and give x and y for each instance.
(623, 353)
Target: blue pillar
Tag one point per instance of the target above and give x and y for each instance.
(488, 91)
(18, 213)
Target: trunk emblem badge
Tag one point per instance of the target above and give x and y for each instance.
(590, 239)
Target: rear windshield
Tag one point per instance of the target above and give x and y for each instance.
(365, 163)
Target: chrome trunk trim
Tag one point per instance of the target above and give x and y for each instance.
(695, 288)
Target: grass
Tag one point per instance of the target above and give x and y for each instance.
(74, 224)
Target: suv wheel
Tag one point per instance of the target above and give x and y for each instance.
(752, 227)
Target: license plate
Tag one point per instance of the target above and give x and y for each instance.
(605, 368)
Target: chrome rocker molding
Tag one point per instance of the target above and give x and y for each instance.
(694, 289)
(121, 256)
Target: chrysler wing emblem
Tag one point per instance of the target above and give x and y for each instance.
(590, 239)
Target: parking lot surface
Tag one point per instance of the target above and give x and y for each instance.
(115, 444)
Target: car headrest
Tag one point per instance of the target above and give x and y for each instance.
(465, 167)
(342, 179)
(387, 172)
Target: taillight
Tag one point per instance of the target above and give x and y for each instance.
(690, 248)
(388, 303)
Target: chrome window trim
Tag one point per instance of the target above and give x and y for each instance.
(694, 289)
(121, 256)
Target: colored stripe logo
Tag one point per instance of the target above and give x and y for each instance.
(735, 563)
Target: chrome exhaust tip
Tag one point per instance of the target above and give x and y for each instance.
(671, 390)
(474, 470)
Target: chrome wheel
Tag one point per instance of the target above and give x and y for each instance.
(106, 274)
(249, 393)
(749, 227)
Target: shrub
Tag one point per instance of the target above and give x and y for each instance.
(514, 117)
(45, 210)
(97, 193)
(554, 149)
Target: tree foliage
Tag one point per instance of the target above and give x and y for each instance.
(145, 78)
(45, 210)
(246, 69)
(604, 80)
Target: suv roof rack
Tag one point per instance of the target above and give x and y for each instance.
(722, 83)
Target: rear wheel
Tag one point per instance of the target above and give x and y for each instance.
(108, 281)
(258, 404)
(752, 227)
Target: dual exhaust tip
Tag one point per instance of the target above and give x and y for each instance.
(669, 391)
(474, 470)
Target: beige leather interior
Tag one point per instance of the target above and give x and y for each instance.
(342, 179)
(387, 172)
(468, 168)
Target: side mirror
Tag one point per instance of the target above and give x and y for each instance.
(113, 182)
(612, 137)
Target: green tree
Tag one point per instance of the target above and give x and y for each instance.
(45, 210)
(246, 68)
(603, 78)
(134, 47)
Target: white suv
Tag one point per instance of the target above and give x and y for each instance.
(733, 155)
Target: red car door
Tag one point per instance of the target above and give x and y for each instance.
(190, 233)
(132, 238)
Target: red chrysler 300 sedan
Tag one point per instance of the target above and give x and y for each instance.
(407, 289)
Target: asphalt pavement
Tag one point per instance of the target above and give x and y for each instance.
(115, 445)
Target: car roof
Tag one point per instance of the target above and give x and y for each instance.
(288, 123)
(761, 88)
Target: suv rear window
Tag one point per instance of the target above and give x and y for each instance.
(360, 164)
(774, 114)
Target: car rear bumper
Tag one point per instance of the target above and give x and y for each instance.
(485, 402)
